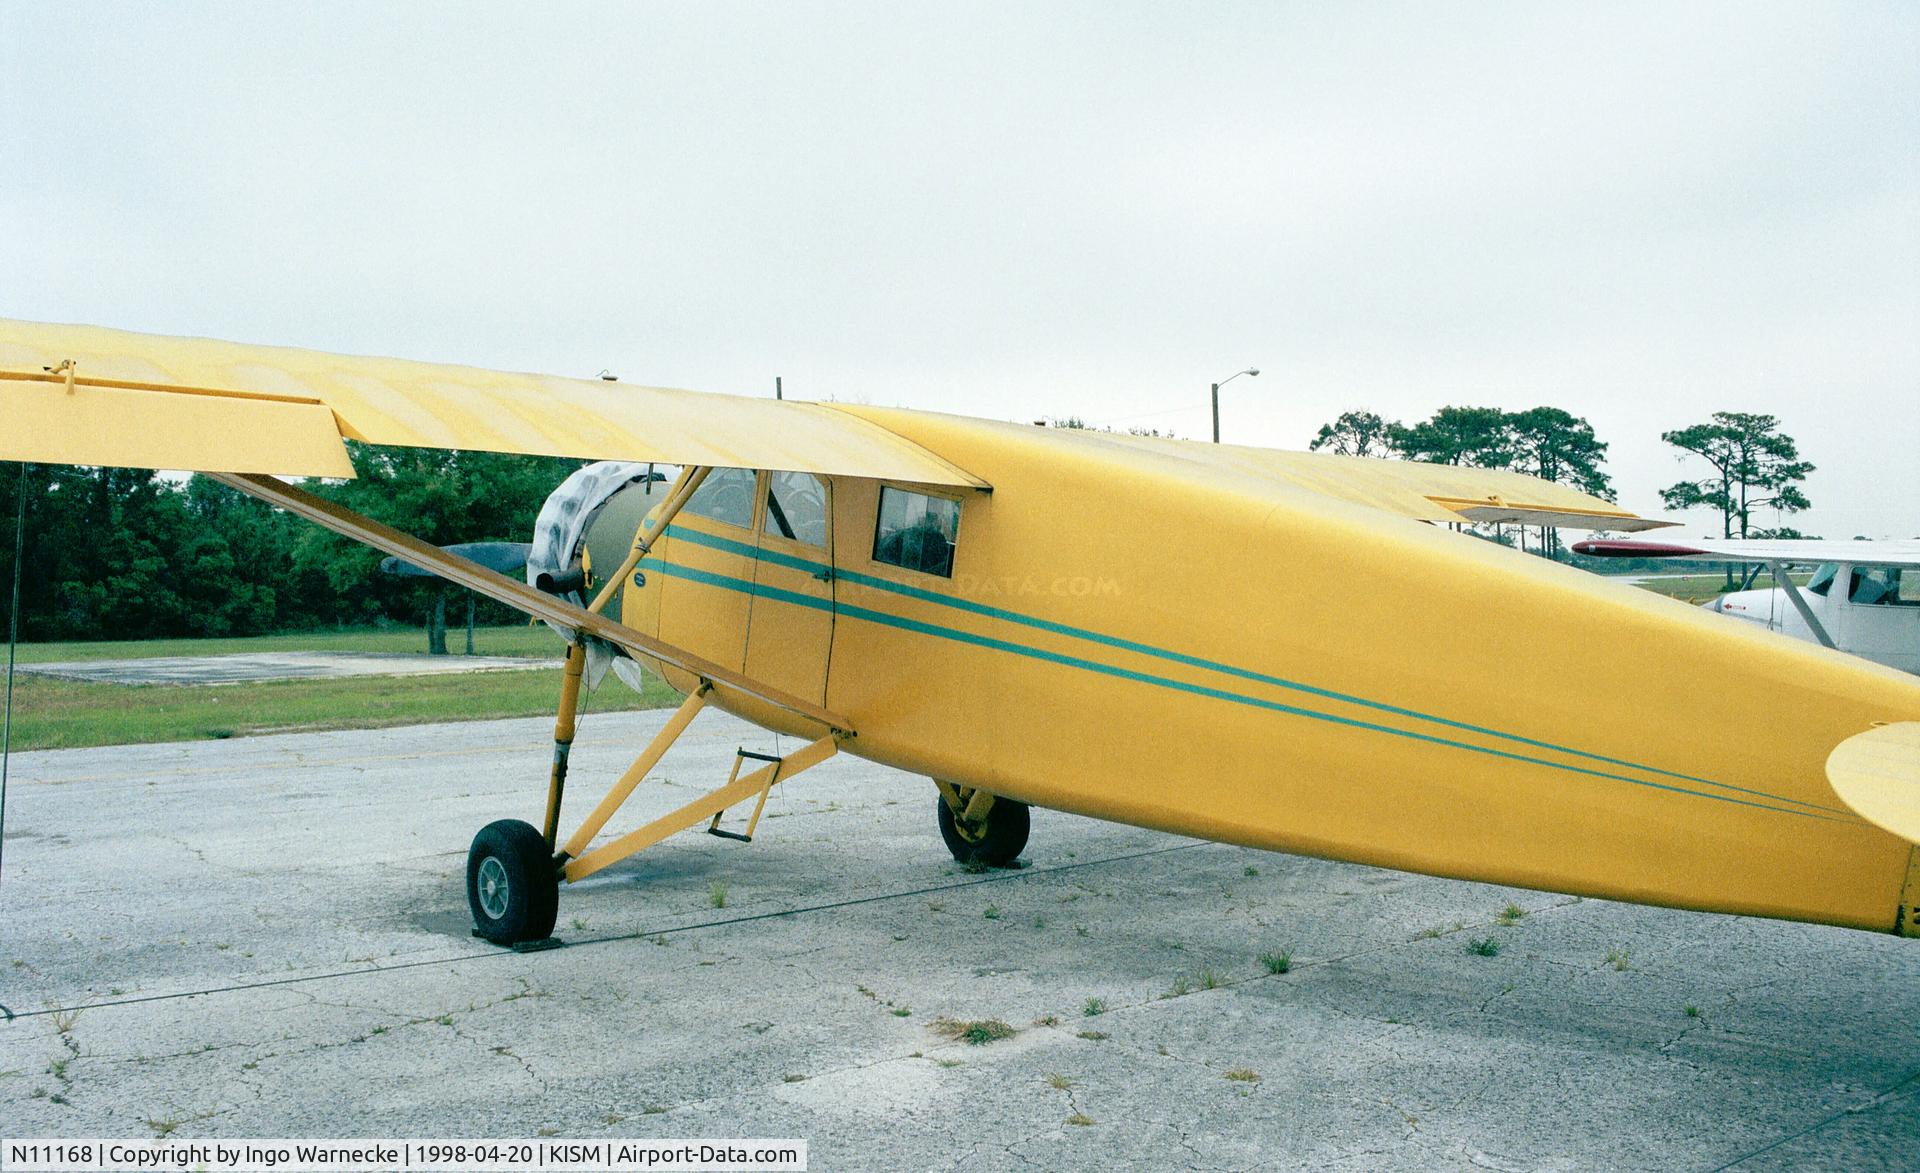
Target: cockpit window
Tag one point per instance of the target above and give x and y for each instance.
(1879, 586)
(726, 495)
(916, 531)
(796, 508)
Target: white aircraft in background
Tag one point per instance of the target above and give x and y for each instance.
(1875, 614)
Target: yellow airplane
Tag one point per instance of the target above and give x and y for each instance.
(1281, 650)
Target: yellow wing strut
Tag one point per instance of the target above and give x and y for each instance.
(519, 595)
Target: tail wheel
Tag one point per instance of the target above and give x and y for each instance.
(512, 885)
(996, 841)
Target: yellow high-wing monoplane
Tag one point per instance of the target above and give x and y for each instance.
(1265, 648)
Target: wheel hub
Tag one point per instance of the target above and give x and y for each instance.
(492, 885)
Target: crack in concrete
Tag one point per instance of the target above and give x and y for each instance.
(1899, 1089)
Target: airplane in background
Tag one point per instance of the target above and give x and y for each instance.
(1858, 600)
(1281, 650)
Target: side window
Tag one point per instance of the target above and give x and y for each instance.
(1909, 589)
(796, 508)
(1879, 586)
(726, 495)
(916, 531)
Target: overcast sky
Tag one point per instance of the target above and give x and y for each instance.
(1640, 214)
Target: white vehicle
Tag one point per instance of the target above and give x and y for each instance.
(1857, 601)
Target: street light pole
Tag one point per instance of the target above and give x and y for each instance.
(1254, 371)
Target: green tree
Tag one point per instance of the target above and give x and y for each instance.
(440, 495)
(1356, 433)
(1755, 466)
(1477, 436)
(1558, 446)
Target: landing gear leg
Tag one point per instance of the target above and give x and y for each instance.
(980, 828)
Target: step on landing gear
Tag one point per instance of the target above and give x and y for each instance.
(980, 829)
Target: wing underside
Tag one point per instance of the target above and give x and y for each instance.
(1798, 552)
(88, 395)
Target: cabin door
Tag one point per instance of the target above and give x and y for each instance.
(790, 630)
(705, 569)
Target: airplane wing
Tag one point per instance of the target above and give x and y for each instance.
(88, 395)
(1785, 552)
(1425, 492)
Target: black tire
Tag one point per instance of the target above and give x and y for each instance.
(1008, 823)
(519, 896)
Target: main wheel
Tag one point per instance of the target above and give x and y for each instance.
(999, 844)
(512, 885)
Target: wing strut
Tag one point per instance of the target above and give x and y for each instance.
(519, 595)
(1800, 604)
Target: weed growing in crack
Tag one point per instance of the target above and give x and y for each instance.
(1277, 962)
(977, 1032)
(1484, 947)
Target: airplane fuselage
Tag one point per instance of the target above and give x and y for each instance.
(1865, 621)
(1121, 632)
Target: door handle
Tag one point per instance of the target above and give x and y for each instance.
(824, 575)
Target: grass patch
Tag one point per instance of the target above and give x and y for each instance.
(1182, 986)
(1277, 962)
(1094, 1008)
(1251, 871)
(1094, 1036)
(1619, 959)
(1080, 1120)
(1691, 1011)
(1210, 979)
(977, 1032)
(1484, 947)
(717, 894)
(515, 639)
(50, 713)
(1244, 1075)
(1059, 1082)
(1511, 915)
(1698, 588)
(992, 912)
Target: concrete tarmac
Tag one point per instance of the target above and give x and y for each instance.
(268, 937)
